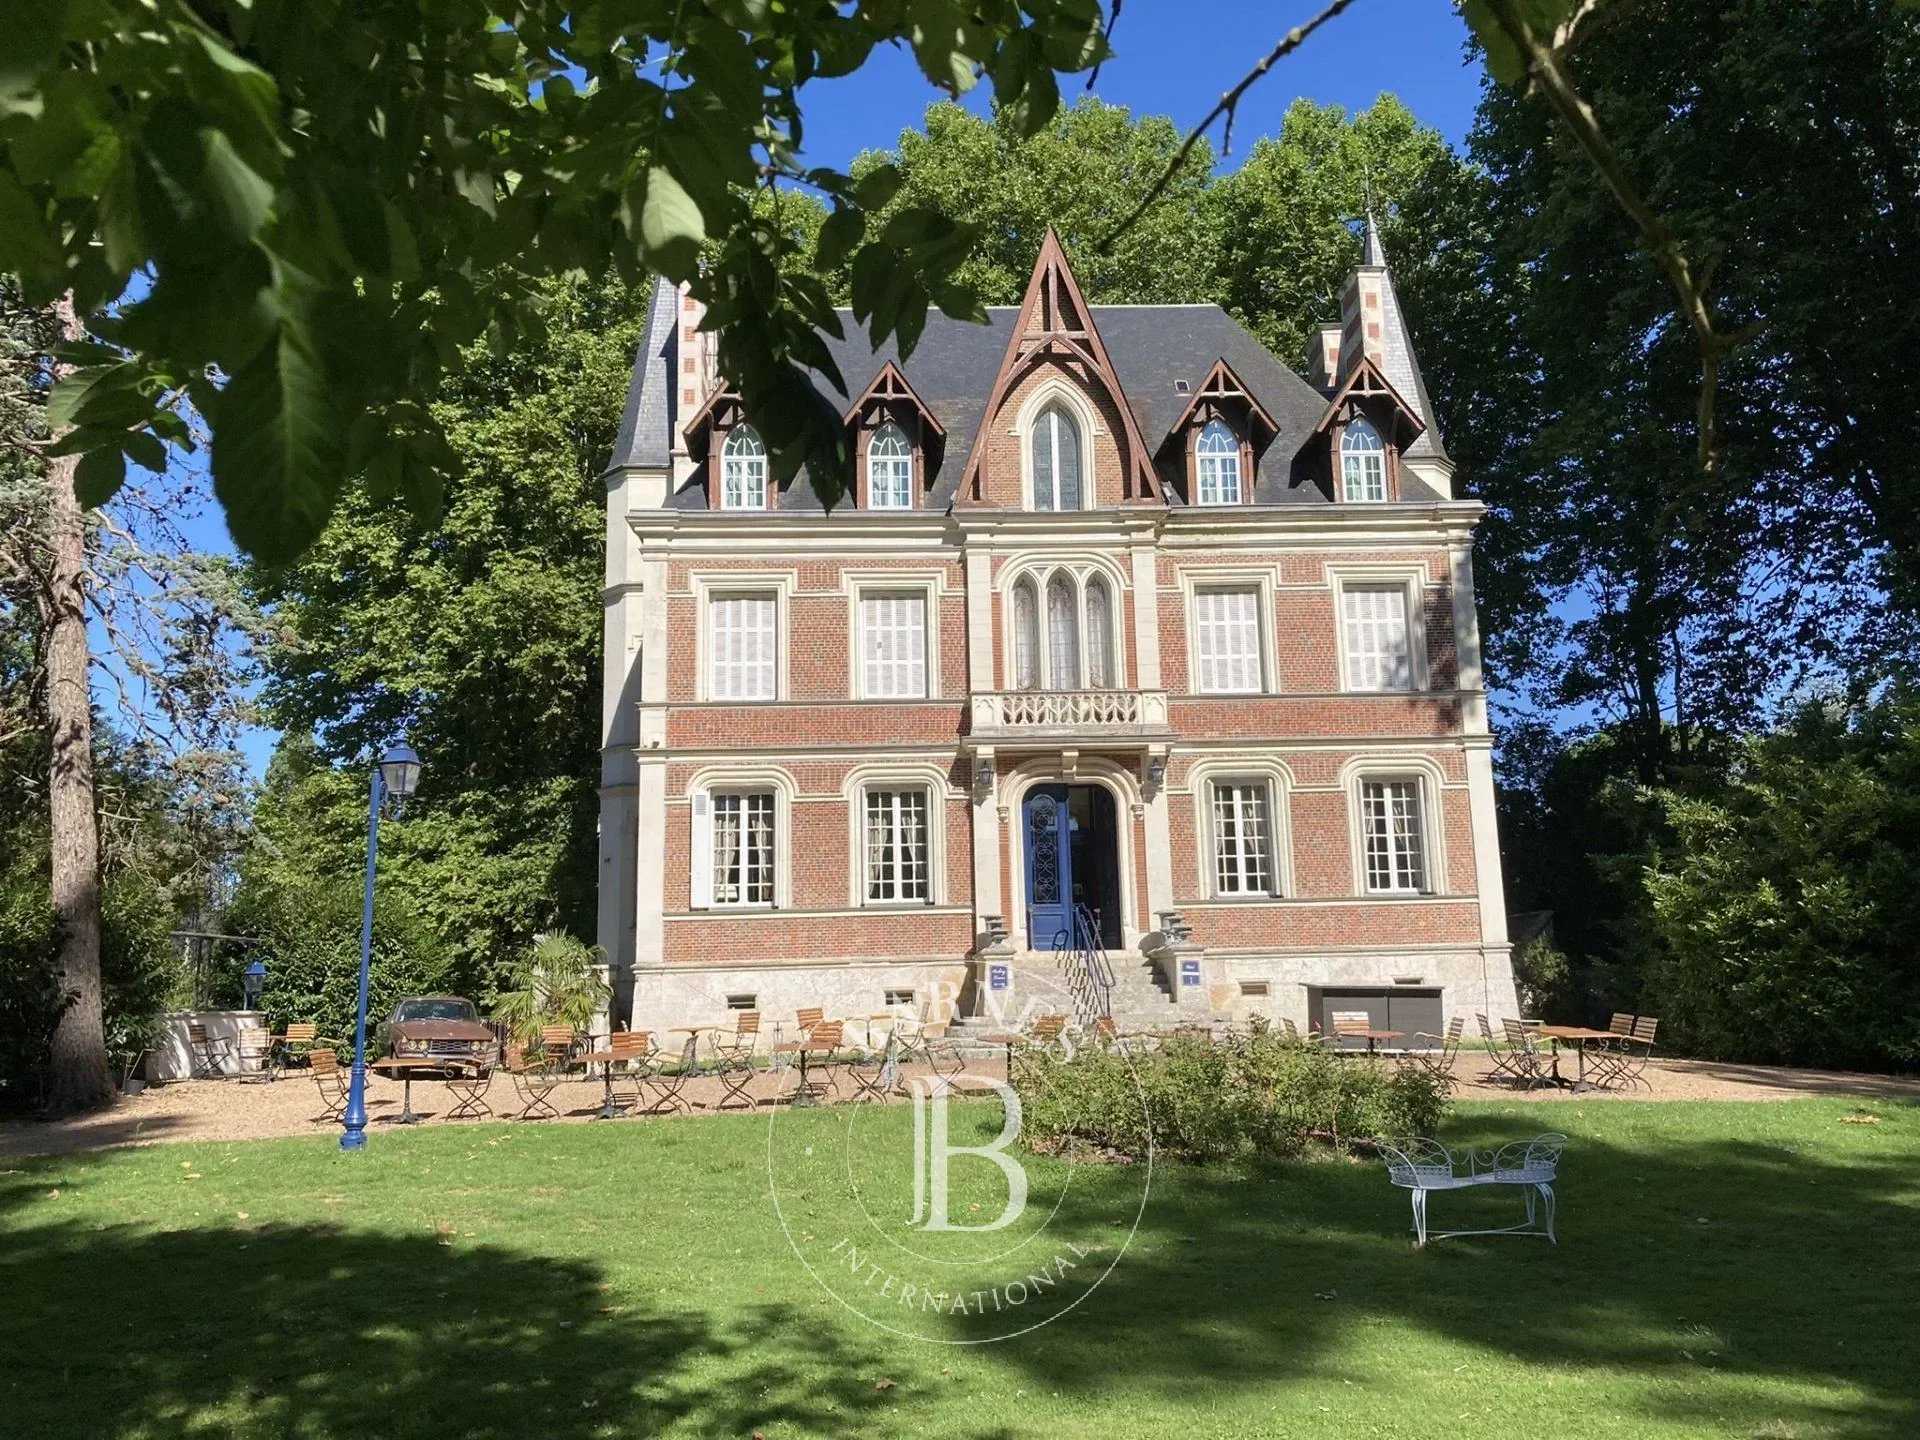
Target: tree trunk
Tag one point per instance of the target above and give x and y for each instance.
(77, 1077)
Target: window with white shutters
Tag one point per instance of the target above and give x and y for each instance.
(742, 658)
(1396, 845)
(1226, 641)
(893, 645)
(1242, 839)
(742, 869)
(1379, 648)
(897, 846)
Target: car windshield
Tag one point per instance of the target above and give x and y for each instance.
(434, 1010)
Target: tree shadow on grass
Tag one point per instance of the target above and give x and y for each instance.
(1696, 1272)
(319, 1331)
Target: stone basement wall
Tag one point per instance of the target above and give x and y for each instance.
(1470, 981)
(698, 996)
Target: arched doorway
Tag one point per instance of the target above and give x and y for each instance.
(1071, 845)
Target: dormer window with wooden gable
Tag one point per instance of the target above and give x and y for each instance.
(1221, 430)
(1363, 462)
(1216, 460)
(743, 470)
(895, 439)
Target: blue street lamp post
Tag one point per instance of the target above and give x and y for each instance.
(396, 775)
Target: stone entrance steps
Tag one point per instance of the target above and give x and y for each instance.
(1141, 997)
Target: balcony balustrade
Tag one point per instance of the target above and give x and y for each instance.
(1002, 715)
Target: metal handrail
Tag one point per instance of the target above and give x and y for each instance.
(1089, 976)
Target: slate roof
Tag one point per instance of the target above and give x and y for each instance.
(645, 437)
(1151, 346)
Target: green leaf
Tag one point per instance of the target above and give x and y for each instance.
(671, 227)
(877, 186)
(146, 449)
(276, 448)
(34, 33)
(838, 236)
(99, 476)
(26, 245)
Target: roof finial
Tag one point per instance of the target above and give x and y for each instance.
(1372, 252)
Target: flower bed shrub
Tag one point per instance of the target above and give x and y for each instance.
(1252, 1095)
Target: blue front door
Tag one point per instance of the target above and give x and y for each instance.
(1049, 869)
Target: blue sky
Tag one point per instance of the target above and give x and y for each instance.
(1175, 58)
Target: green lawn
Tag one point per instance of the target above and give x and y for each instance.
(1746, 1270)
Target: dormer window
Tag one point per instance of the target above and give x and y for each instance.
(1363, 463)
(889, 469)
(1217, 464)
(1056, 460)
(743, 470)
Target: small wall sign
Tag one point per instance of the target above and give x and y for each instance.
(1189, 972)
(998, 977)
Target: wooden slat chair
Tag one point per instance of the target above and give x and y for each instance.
(1351, 1025)
(1438, 1058)
(468, 1084)
(733, 1061)
(1529, 1064)
(331, 1081)
(559, 1043)
(1505, 1065)
(875, 1073)
(786, 1051)
(668, 1078)
(819, 1057)
(254, 1048)
(634, 1056)
(207, 1053)
(1044, 1036)
(299, 1040)
(535, 1078)
(744, 1039)
(1629, 1064)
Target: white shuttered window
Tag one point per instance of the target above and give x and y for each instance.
(1226, 641)
(742, 661)
(1379, 650)
(893, 646)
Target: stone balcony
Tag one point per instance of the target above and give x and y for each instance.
(1041, 718)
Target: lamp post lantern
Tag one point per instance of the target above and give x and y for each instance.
(396, 775)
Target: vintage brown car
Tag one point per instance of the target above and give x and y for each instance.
(438, 1027)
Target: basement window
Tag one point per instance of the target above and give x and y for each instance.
(1253, 989)
(743, 1002)
(900, 997)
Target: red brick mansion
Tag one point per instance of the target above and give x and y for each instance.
(1128, 639)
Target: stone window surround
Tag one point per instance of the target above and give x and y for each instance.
(1413, 577)
(712, 584)
(1265, 580)
(1432, 781)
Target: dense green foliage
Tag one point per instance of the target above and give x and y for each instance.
(479, 638)
(1786, 918)
(1259, 1094)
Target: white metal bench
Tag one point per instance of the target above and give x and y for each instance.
(1420, 1166)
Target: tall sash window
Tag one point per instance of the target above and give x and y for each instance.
(897, 846)
(1396, 848)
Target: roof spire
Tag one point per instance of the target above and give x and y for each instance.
(1372, 252)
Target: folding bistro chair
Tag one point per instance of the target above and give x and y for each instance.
(875, 1073)
(819, 1057)
(535, 1078)
(1629, 1064)
(666, 1080)
(469, 1085)
(733, 1061)
(785, 1052)
(559, 1044)
(1531, 1067)
(253, 1049)
(1437, 1059)
(1043, 1037)
(207, 1053)
(299, 1040)
(331, 1081)
(742, 1041)
(633, 1061)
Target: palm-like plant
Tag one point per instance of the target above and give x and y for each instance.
(557, 982)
